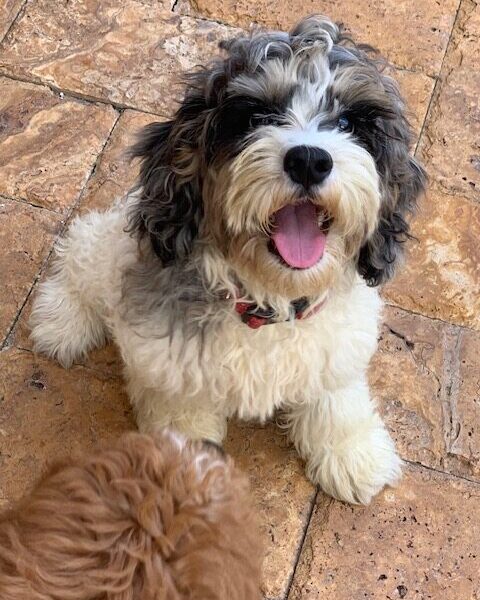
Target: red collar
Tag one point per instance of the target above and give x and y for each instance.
(255, 317)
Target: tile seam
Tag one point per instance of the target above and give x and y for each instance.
(298, 555)
(410, 311)
(20, 12)
(87, 99)
(438, 78)
(65, 222)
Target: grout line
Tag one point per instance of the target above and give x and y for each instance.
(19, 14)
(314, 502)
(298, 554)
(95, 165)
(23, 349)
(417, 464)
(65, 223)
(79, 96)
(438, 79)
(419, 314)
(43, 265)
(25, 202)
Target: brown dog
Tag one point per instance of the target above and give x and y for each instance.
(154, 518)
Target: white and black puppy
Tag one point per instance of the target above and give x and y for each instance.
(239, 276)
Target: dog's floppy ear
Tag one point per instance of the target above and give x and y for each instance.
(169, 208)
(403, 181)
(173, 153)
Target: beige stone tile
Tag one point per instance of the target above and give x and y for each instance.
(282, 493)
(115, 174)
(419, 541)
(407, 379)
(410, 33)
(48, 144)
(426, 379)
(8, 11)
(26, 237)
(47, 412)
(451, 142)
(130, 53)
(417, 90)
(441, 277)
(464, 407)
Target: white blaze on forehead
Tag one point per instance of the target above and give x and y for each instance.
(299, 82)
(307, 102)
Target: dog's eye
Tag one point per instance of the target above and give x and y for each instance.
(344, 123)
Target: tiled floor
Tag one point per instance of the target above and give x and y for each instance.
(77, 79)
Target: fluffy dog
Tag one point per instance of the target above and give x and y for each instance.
(155, 518)
(239, 275)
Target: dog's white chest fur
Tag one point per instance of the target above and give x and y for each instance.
(253, 372)
(288, 363)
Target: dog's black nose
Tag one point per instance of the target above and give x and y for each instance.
(307, 165)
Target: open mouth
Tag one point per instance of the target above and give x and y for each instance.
(299, 234)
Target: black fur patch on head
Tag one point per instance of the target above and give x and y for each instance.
(235, 118)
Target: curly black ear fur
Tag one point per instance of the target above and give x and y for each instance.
(403, 181)
(170, 208)
(172, 156)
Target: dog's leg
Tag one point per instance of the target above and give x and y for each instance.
(197, 419)
(67, 319)
(348, 450)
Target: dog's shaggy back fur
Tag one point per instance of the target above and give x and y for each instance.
(155, 518)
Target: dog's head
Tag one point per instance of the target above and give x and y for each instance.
(290, 157)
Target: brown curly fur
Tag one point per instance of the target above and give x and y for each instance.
(154, 518)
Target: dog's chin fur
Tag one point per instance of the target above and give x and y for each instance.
(153, 518)
(160, 272)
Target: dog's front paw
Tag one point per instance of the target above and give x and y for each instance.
(358, 467)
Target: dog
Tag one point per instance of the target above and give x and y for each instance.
(153, 518)
(239, 275)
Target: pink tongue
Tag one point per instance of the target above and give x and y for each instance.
(297, 236)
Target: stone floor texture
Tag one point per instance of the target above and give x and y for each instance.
(78, 78)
